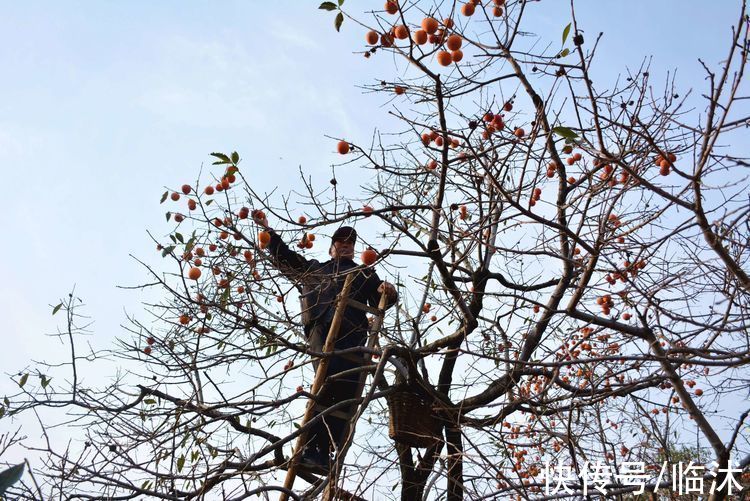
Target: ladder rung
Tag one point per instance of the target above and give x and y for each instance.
(362, 306)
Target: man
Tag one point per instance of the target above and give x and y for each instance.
(319, 284)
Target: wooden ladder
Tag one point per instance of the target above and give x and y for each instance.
(342, 301)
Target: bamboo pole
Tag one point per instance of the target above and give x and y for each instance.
(320, 376)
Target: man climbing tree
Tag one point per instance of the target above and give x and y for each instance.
(319, 284)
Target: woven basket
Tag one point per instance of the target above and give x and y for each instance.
(412, 421)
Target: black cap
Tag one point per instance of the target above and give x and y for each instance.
(345, 233)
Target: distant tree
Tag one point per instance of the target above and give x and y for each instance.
(574, 283)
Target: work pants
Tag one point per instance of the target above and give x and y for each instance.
(334, 389)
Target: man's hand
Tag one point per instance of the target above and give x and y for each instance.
(259, 217)
(388, 288)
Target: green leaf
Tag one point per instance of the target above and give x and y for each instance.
(564, 52)
(564, 132)
(223, 159)
(341, 2)
(167, 251)
(164, 197)
(209, 202)
(10, 476)
(146, 484)
(6, 401)
(190, 244)
(566, 32)
(56, 308)
(23, 380)
(328, 6)
(45, 381)
(2, 411)
(169, 216)
(180, 462)
(149, 401)
(235, 157)
(339, 21)
(178, 236)
(225, 296)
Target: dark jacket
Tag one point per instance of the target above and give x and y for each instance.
(319, 283)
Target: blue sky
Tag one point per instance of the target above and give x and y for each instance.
(104, 104)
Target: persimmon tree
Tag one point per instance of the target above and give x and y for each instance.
(572, 260)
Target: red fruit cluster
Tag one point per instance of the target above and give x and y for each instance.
(306, 242)
(606, 303)
(551, 169)
(665, 164)
(493, 123)
(439, 140)
(575, 158)
(628, 267)
(615, 220)
(535, 196)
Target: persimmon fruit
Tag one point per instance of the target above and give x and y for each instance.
(264, 238)
(419, 37)
(454, 42)
(401, 32)
(444, 58)
(430, 25)
(468, 9)
(369, 256)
